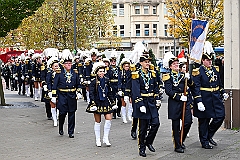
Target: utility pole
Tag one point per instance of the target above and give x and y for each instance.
(75, 26)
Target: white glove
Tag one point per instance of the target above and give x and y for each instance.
(22, 77)
(93, 108)
(81, 80)
(33, 78)
(16, 78)
(158, 103)
(187, 75)
(126, 99)
(27, 76)
(54, 100)
(45, 88)
(225, 96)
(201, 106)
(143, 109)
(79, 95)
(120, 93)
(50, 94)
(161, 90)
(115, 107)
(183, 98)
(88, 82)
(85, 82)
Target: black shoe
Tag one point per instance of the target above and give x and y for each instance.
(49, 118)
(207, 146)
(212, 142)
(71, 135)
(183, 146)
(179, 150)
(150, 147)
(134, 135)
(142, 153)
(61, 132)
(118, 114)
(113, 117)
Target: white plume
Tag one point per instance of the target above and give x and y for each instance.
(166, 59)
(51, 52)
(208, 48)
(67, 55)
(97, 65)
(138, 50)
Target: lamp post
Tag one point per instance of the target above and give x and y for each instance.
(75, 25)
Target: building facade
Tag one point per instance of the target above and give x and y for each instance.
(143, 20)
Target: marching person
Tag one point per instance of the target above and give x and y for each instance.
(66, 87)
(145, 99)
(124, 77)
(174, 87)
(208, 95)
(36, 75)
(101, 102)
(6, 72)
(52, 64)
(113, 76)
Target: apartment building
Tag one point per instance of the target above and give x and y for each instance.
(143, 20)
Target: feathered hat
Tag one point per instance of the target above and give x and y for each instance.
(106, 60)
(97, 66)
(138, 51)
(208, 52)
(124, 61)
(67, 55)
(50, 52)
(22, 56)
(36, 55)
(94, 51)
(30, 52)
(113, 55)
(51, 61)
(168, 59)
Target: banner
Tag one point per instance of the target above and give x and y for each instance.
(197, 38)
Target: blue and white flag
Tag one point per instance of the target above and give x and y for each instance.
(198, 36)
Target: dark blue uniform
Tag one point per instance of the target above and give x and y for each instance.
(145, 92)
(101, 96)
(208, 90)
(65, 86)
(174, 87)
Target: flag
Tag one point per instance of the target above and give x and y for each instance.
(197, 38)
(181, 54)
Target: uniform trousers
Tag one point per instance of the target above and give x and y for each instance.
(143, 125)
(71, 121)
(207, 129)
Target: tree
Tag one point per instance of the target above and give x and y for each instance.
(181, 13)
(121, 57)
(153, 59)
(52, 24)
(14, 11)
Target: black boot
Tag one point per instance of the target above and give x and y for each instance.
(114, 114)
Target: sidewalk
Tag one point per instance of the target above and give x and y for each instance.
(27, 134)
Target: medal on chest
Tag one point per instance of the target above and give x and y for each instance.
(68, 76)
(210, 73)
(146, 79)
(175, 78)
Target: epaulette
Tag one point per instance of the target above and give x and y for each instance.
(153, 73)
(87, 63)
(79, 64)
(217, 68)
(166, 77)
(26, 61)
(17, 64)
(58, 70)
(42, 67)
(132, 67)
(75, 70)
(195, 72)
(49, 70)
(157, 68)
(151, 67)
(107, 68)
(135, 75)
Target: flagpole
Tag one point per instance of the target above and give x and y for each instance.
(185, 88)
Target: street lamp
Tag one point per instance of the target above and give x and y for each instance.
(75, 25)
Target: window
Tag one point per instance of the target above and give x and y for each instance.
(154, 29)
(121, 30)
(121, 9)
(146, 29)
(114, 9)
(165, 10)
(146, 9)
(137, 29)
(115, 30)
(165, 30)
(137, 9)
(154, 10)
